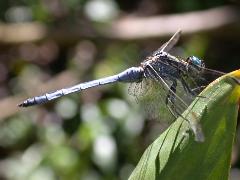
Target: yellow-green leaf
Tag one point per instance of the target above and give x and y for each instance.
(175, 154)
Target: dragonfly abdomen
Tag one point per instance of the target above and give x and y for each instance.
(133, 74)
(44, 98)
(33, 101)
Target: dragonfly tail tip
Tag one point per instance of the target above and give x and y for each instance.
(21, 105)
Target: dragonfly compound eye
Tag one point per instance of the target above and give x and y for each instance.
(195, 63)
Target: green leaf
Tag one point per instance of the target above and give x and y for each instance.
(176, 154)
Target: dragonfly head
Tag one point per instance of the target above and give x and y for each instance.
(195, 64)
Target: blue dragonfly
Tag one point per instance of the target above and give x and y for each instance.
(161, 80)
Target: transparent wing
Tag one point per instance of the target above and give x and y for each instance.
(152, 95)
(152, 99)
(175, 104)
(153, 92)
(165, 85)
(169, 44)
(139, 89)
(196, 82)
(172, 42)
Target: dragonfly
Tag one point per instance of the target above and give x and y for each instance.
(171, 82)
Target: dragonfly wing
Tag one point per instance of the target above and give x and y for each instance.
(168, 45)
(165, 84)
(172, 42)
(210, 75)
(151, 97)
(181, 98)
(198, 81)
(139, 89)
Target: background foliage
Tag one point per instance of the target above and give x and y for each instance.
(100, 133)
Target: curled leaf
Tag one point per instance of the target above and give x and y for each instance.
(175, 154)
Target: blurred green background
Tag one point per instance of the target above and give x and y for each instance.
(99, 133)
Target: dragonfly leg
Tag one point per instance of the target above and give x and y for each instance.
(170, 99)
(194, 91)
(170, 96)
(187, 88)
